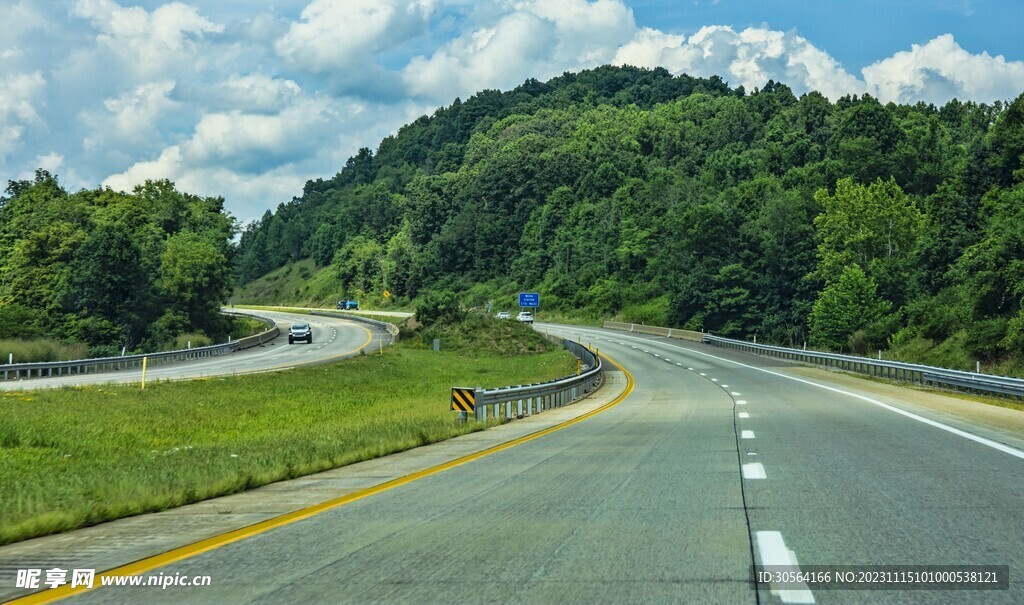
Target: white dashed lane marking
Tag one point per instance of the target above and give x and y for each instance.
(754, 470)
(774, 552)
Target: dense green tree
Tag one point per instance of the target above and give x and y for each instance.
(109, 282)
(847, 304)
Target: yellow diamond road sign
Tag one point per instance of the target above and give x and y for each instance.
(463, 399)
(387, 294)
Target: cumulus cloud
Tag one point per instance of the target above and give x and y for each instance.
(252, 142)
(536, 39)
(20, 95)
(248, 194)
(132, 117)
(941, 70)
(334, 34)
(935, 72)
(749, 58)
(146, 41)
(257, 92)
(257, 160)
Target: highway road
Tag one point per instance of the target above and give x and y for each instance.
(333, 339)
(717, 461)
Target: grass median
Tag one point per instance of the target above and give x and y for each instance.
(76, 457)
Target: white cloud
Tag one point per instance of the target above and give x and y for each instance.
(942, 69)
(146, 41)
(50, 162)
(935, 72)
(536, 39)
(334, 34)
(749, 58)
(132, 117)
(251, 142)
(19, 100)
(249, 194)
(648, 48)
(257, 92)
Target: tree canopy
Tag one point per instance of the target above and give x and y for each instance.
(112, 269)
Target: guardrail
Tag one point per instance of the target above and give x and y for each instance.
(655, 330)
(46, 369)
(525, 400)
(987, 384)
(390, 328)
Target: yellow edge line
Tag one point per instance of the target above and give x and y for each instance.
(191, 550)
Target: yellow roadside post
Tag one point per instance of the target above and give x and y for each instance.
(144, 360)
(381, 344)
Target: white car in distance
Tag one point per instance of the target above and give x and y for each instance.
(525, 317)
(503, 315)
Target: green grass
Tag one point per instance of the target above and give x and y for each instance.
(40, 349)
(952, 353)
(76, 457)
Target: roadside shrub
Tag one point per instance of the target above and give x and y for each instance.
(198, 339)
(984, 338)
(17, 322)
(102, 351)
(440, 307)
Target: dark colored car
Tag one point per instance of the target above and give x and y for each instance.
(348, 305)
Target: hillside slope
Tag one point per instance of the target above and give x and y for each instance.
(681, 201)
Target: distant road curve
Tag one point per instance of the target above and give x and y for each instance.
(360, 312)
(333, 339)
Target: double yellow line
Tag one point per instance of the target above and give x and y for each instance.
(196, 548)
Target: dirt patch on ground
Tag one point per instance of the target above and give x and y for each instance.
(957, 411)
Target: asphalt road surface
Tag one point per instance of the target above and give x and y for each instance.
(718, 461)
(333, 339)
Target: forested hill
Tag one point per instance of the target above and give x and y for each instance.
(676, 200)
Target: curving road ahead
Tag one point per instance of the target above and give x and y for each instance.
(333, 339)
(717, 461)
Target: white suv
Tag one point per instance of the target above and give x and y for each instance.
(525, 317)
(300, 332)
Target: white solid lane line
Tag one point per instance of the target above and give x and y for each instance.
(774, 552)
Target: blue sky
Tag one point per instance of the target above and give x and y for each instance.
(249, 99)
(857, 33)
